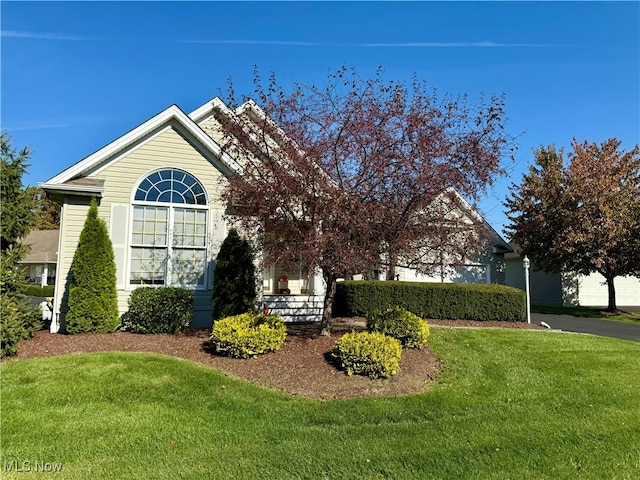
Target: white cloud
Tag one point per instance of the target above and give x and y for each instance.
(41, 36)
(35, 126)
(452, 44)
(486, 44)
(254, 42)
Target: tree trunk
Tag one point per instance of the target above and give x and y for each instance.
(611, 290)
(391, 270)
(325, 327)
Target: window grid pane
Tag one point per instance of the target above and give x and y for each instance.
(148, 266)
(189, 228)
(150, 225)
(188, 267)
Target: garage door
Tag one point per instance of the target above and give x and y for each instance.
(593, 291)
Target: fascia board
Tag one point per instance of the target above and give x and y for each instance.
(36, 262)
(72, 189)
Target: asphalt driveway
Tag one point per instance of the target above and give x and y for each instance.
(594, 326)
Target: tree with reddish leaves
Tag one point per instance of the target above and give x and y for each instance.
(362, 173)
(47, 211)
(583, 217)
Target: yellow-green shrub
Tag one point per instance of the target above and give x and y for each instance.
(411, 330)
(368, 353)
(248, 335)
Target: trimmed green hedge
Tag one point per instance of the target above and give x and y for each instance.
(37, 291)
(453, 301)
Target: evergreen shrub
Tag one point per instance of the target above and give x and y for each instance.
(93, 302)
(17, 322)
(234, 282)
(159, 310)
(248, 335)
(411, 330)
(368, 353)
(453, 301)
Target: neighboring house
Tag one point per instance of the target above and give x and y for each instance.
(159, 190)
(570, 289)
(39, 265)
(489, 267)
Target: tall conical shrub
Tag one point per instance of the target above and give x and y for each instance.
(93, 303)
(234, 283)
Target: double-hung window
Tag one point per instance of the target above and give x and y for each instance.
(169, 231)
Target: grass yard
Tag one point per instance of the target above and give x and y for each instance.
(507, 404)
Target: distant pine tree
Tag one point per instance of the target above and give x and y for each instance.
(93, 304)
(234, 284)
(16, 216)
(18, 320)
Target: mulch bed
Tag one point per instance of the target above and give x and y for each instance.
(302, 367)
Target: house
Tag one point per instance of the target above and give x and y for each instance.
(489, 267)
(570, 289)
(39, 265)
(159, 191)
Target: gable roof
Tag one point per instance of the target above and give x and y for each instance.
(44, 246)
(67, 180)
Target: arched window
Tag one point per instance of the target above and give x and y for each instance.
(169, 231)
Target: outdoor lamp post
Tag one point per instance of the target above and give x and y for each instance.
(526, 263)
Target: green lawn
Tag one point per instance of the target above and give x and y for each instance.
(589, 312)
(507, 404)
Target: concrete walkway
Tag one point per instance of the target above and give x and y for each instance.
(594, 326)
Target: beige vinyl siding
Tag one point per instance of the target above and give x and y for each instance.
(167, 148)
(212, 128)
(74, 214)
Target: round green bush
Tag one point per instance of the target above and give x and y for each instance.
(368, 353)
(248, 335)
(411, 330)
(159, 310)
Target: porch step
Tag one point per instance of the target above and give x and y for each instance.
(295, 308)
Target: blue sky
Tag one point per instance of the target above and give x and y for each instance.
(77, 75)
